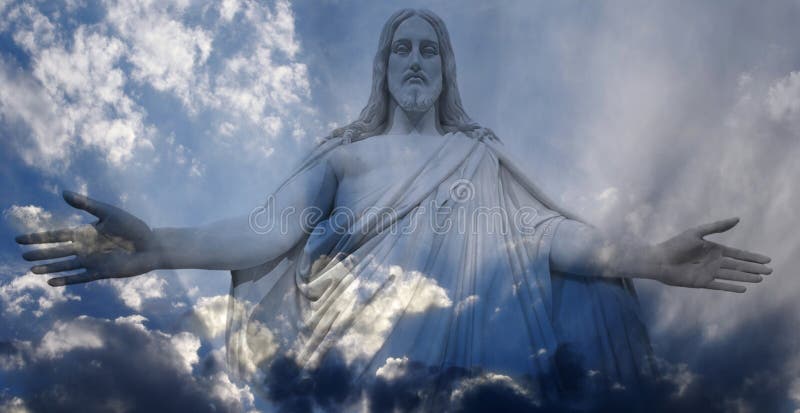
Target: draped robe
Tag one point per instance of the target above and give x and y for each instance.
(445, 268)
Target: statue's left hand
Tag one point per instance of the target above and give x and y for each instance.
(688, 260)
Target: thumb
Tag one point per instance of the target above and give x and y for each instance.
(716, 227)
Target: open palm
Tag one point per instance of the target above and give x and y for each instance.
(691, 261)
(117, 245)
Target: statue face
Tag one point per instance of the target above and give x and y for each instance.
(415, 67)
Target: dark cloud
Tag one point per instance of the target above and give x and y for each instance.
(746, 369)
(134, 370)
(296, 390)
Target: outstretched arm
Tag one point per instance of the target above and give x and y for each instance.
(248, 240)
(686, 260)
(121, 245)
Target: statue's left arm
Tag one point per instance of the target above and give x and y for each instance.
(686, 260)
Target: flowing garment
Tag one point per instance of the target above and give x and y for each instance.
(441, 276)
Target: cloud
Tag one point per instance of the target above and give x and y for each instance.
(410, 292)
(660, 124)
(491, 391)
(74, 96)
(83, 91)
(13, 405)
(135, 291)
(32, 293)
(783, 98)
(92, 364)
(136, 320)
(211, 313)
(165, 53)
(186, 345)
(66, 337)
(260, 83)
(393, 368)
(29, 218)
(13, 355)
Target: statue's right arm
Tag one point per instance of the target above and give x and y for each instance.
(121, 245)
(251, 239)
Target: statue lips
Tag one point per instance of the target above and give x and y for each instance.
(415, 77)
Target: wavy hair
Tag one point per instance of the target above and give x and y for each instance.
(373, 119)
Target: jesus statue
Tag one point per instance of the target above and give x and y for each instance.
(409, 243)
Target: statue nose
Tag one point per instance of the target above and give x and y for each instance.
(415, 67)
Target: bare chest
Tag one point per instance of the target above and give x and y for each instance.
(374, 165)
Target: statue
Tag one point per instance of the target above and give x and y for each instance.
(441, 261)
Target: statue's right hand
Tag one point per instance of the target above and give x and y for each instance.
(117, 245)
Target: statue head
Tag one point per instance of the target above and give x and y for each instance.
(393, 72)
(414, 69)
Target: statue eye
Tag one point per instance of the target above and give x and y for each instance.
(401, 48)
(430, 50)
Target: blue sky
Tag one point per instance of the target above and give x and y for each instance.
(644, 118)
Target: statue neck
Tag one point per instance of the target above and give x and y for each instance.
(412, 123)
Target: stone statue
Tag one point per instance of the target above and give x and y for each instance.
(426, 247)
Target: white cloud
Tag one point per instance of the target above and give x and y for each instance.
(14, 405)
(229, 8)
(80, 93)
(261, 345)
(29, 218)
(468, 385)
(74, 96)
(68, 336)
(254, 84)
(679, 375)
(393, 368)
(409, 292)
(31, 291)
(466, 302)
(136, 320)
(783, 98)
(135, 291)
(186, 345)
(226, 390)
(213, 314)
(165, 53)
(232, 393)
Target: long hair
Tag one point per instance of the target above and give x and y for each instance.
(374, 117)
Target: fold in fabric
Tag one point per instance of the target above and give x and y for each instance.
(448, 269)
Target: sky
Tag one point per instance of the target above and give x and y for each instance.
(645, 118)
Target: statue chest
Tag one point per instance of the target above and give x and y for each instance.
(375, 165)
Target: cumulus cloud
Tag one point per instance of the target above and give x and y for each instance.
(136, 290)
(136, 320)
(32, 293)
(74, 94)
(411, 292)
(491, 391)
(393, 368)
(212, 315)
(186, 345)
(82, 91)
(29, 218)
(165, 53)
(92, 364)
(34, 218)
(65, 337)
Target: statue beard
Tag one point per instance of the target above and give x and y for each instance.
(418, 100)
